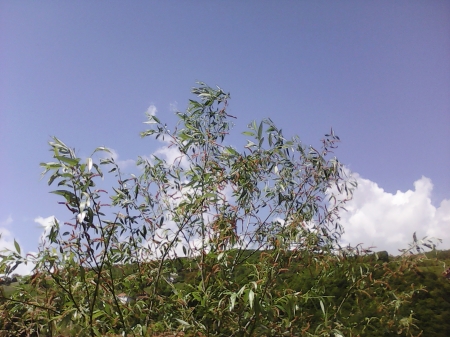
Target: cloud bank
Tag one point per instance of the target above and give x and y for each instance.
(6, 239)
(388, 221)
(7, 243)
(374, 217)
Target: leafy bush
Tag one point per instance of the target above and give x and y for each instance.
(218, 242)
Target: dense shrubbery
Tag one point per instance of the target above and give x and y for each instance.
(257, 230)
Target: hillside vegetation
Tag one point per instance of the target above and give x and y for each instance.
(428, 306)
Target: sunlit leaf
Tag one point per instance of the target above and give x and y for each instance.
(89, 164)
(16, 245)
(69, 161)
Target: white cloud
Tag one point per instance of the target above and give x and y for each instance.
(123, 164)
(388, 221)
(7, 243)
(47, 223)
(152, 110)
(7, 222)
(172, 155)
(173, 106)
(6, 239)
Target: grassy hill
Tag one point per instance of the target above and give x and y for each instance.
(428, 307)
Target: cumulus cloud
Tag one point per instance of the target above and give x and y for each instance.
(387, 221)
(171, 155)
(47, 223)
(123, 164)
(6, 239)
(6, 222)
(7, 243)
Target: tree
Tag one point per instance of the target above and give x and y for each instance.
(220, 241)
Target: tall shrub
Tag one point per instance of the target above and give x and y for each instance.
(219, 241)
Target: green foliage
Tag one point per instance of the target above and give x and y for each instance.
(218, 242)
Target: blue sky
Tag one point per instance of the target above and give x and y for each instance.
(377, 72)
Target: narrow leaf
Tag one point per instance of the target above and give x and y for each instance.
(322, 307)
(17, 246)
(89, 164)
(182, 322)
(251, 297)
(69, 161)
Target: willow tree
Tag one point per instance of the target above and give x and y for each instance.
(217, 241)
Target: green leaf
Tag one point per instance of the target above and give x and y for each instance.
(17, 246)
(151, 121)
(102, 148)
(254, 125)
(100, 173)
(97, 313)
(52, 178)
(97, 332)
(82, 273)
(248, 133)
(70, 197)
(147, 133)
(232, 151)
(210, 196)
(50, 165)
(69, 161)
